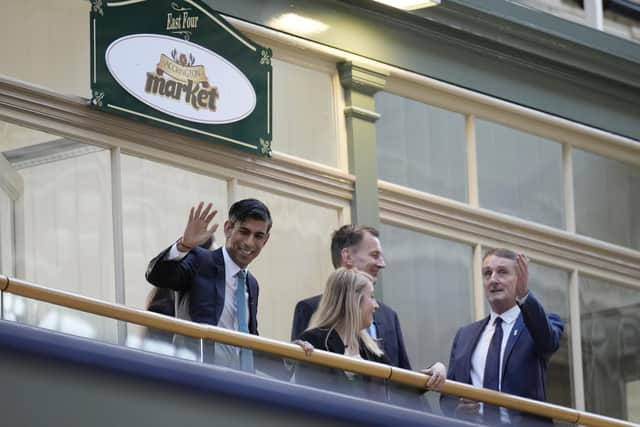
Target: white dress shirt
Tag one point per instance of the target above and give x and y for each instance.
(373, 331)
(479, 357)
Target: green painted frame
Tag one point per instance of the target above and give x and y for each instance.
(113, 20)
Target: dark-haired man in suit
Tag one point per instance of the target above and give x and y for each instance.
(214, 286)
(358, 246)
(507, 351)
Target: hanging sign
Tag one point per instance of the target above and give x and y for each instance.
(181, 66)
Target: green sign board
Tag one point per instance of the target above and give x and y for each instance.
(179, 65)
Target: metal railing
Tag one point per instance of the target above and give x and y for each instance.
(293, 351)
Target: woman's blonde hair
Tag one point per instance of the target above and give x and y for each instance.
(340, 306)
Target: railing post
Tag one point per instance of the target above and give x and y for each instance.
(576, 340)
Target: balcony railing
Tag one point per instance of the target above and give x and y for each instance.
(400, 377)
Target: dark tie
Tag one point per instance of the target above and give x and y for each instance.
(246, 355)
(492, 372)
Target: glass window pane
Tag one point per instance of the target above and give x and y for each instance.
(57, 318)
(421, 146)
(68, 235)
(607, 199)
(295, 262)
(520, 174)
(156, 199)
(68, 238)
(610, 317)
(304, 126)
(423, 271)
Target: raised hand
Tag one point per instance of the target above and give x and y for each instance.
(197, 230)
(522, 270)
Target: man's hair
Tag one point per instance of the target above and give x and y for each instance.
(243, 210)
(340, 306)
(501, 253)
(348, 236)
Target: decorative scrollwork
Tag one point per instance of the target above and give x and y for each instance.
(177, 8)
(97, 7)
(265, 147)
(265, 57)
(97, 98)
(184, 33)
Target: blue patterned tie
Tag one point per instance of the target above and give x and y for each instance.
(492, 372)
(246, 355)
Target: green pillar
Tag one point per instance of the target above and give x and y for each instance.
(360, 84)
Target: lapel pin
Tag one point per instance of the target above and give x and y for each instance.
(515, 332)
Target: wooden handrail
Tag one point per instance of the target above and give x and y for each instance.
(293, 351)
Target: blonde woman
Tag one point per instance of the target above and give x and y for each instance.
(343, 315)
(345, 311)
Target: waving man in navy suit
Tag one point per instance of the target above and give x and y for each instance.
(215, 287)
(509, 350)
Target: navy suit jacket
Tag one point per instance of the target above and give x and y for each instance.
(534, 338)
(385, 319)
(201, 276)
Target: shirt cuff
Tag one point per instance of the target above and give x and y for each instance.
(521, 301)
(175, 254)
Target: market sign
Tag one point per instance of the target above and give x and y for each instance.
(179, 65)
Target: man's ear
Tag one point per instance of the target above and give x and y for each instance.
(346, 258)
(228, 227)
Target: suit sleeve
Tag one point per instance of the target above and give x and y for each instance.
(448, 403)
(174, 275)
(316, 337)
(301, 316)
(403, 357)
(546, 331)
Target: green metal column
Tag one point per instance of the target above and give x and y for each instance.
(360, 84)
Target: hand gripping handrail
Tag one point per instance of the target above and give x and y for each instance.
(293, 351)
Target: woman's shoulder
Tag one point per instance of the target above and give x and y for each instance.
(323, 339)
(314, 334)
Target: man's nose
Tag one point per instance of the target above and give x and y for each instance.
(381, 263)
